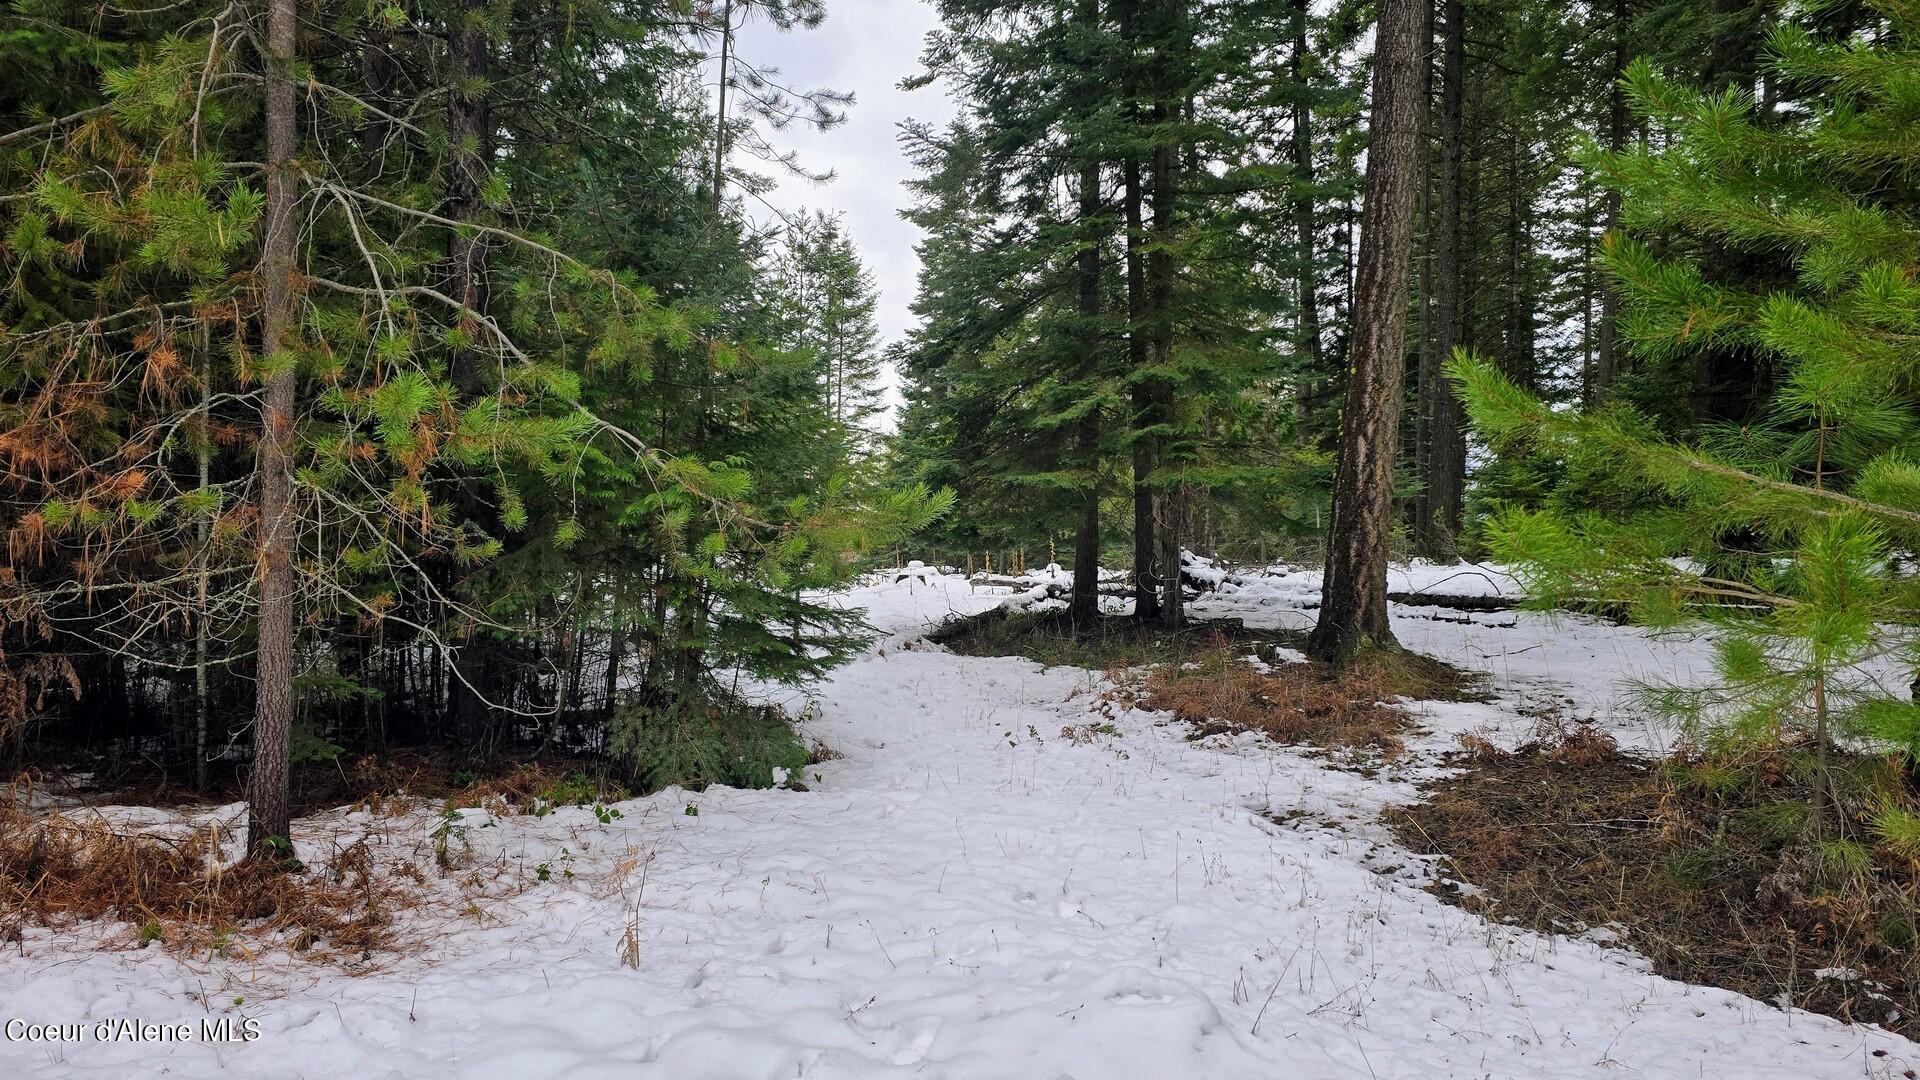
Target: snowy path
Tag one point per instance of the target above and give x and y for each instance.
(967, 894)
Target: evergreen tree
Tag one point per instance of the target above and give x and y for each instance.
(1790, 534)
(1109, 200)
(751, 99)
(1353, 603)
(319, 394)
(829, 302)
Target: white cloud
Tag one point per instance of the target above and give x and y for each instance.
(866, 47)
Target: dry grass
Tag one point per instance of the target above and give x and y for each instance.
(371, 780)
(377, 895)
(1049, 638)
(1702, 866)
(532, 788)
(57, 871)
(519, 790)
(1297, 703)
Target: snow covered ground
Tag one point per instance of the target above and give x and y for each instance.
(974, 892)
(1581, 668)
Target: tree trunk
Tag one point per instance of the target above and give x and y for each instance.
(203, 460)
(1160, 272)
(1084, 607)
(1731, 59)
(1139, 394)
(1159, 286)
(378, 70)
(720, 113)
(576, 653)
(470, 130)
(616, 642)
(1519, 334)
(1306, 277)
(1605, 361)
(1427, 377)
(1445, 452)
(1353, 604)
(1173, 527)
(1146, 579)
(268, 823)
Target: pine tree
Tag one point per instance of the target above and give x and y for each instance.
(1025, 320)
(1110, 201)
(1788, 534)
(750, 98)
(829, 306)
(307, 387)
(1441, 450)
(1353, 603)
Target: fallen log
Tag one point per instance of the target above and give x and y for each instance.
(1455, 601)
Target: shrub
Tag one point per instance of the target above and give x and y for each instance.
(715, 738)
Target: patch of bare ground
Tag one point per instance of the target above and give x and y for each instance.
(1223, 690)
(1050, 638)
(317, 786)
(58, 869)
(164, 880)
(1710, 867)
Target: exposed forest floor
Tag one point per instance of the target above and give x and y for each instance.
(1680, 861)
(1011, 869)
(319, 785)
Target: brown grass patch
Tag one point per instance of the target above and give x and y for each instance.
(56, 871)
(1298, 703)
(1705, 867)
(368, 780)
(530, 788)
(1049, 638)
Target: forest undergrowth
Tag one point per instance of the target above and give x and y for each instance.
(1707, 865)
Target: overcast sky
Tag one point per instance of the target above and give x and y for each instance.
(866, 47)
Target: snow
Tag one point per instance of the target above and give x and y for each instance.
(915, 571)
(1302, 585)
(969, 892)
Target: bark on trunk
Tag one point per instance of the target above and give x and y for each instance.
(1519, 335)
(1605, 359)
(1160, 273)
(378, 71)
(1084, 607)
(203, 460)
(1306, 277)
(1146, 578)
(470, 129)
(1170, 508)
(1427, 377)
(1173, 527)
(1442, 481)
(267, 806)
(720, 113)
(616, 652)
(1353, 606)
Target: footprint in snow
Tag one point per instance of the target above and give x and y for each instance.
(925, 1031)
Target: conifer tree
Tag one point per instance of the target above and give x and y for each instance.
(1033, 163)
(1789, 534)
(1353, 604)
(1111, 198)
(829, 306)
(308, 386)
